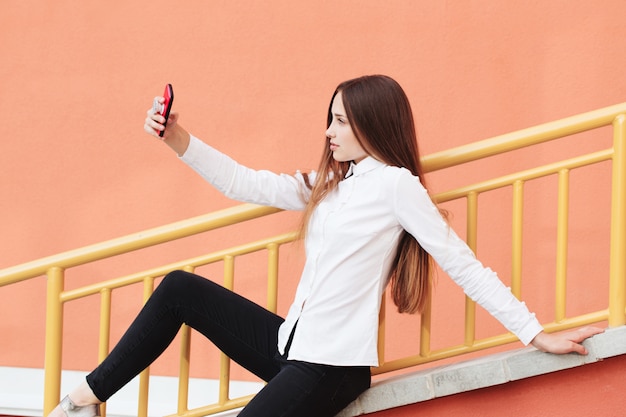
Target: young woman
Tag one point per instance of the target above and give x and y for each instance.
(368, 221)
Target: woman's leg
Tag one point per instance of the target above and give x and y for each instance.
(243, 330)
(304, 389)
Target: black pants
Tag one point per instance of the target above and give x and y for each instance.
(243, 330)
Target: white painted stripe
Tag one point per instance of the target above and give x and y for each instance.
(21, 393)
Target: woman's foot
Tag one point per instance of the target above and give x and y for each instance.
(72, 410)
(80, 403)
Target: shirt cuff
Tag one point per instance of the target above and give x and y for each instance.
(192, 150)
(528, 333)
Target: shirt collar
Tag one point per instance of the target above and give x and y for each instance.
(364, 166)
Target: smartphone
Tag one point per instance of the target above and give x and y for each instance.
(164, 110)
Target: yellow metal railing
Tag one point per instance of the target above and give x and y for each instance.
(54, 267)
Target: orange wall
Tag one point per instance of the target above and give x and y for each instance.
(254, 79)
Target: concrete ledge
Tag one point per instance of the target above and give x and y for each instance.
(481, 373)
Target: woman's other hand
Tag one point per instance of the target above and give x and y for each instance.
(565, 342)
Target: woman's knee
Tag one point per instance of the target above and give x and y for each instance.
(185, 284)
(175, 276)
(178, 282)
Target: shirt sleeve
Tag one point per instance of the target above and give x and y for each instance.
(420, 217)
(288, 192)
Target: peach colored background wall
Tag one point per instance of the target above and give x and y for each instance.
(254, 79)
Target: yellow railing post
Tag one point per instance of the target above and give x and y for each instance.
(272, 277)
(184, 363)
(426, 321)
(54, 340)
(562, 233)
(517, 238)
(144, 376)
(105, 323)
(381, 328)
(617, 286)
(472, 242)
(105, 330)
(224, 376)
(184, 366)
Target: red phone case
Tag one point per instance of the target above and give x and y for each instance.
(168, 94)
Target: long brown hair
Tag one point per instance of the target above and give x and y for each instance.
(382, 120)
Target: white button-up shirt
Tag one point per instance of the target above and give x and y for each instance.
(350, 246)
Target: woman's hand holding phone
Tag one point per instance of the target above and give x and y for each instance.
(160, 112)
(159, 117)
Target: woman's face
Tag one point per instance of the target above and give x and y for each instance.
(342, 140)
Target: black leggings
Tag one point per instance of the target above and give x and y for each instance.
(244, 331)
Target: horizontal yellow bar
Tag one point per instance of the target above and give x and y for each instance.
(527, 175)
(193, 262)
(486, 343)
(449, 352)
(523, 138)
(141, 240)
(216, 408)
